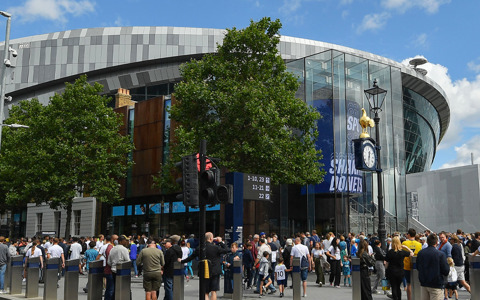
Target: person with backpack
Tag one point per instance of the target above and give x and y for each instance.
(301, 251)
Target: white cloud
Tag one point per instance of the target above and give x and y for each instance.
(464, 154)
(290, 6)
(463, 96)
(421, 41)
(474, 66)
(373, 22)
(53, 10)
(430, 6)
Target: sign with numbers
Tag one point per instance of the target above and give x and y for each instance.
(256, 187)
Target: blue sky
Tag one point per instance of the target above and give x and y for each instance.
(443, 31)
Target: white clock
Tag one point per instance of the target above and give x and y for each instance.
(369, 157)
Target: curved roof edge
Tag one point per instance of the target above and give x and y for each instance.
(289, 48)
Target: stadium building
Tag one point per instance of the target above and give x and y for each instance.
(139, 66)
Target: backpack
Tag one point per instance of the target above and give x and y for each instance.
(304, 263)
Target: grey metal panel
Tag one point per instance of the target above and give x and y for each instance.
(24, 78)
(53, 55)
(70, 55)
(109, 53)
(145, 52)
(133, 53)
(81, 54)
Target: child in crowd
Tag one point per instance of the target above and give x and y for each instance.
(90, 255)
(280, 270)
(451, 286)
(264, 277)
(346, 270)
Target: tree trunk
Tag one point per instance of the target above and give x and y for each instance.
(69, 220)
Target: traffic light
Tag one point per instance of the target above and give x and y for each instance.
(209, 180)
(189, 181)
(225, 194)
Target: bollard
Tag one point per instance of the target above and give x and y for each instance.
(6, 282)
(95, 280)
(475, 276)
(356, 280)
(33, 268)
(123, 281)
(51, 278)
(237, 280)
(415, 282)
(71, 279)
(296, 281)
(178, 280)
(16, 264)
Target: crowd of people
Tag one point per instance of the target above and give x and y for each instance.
(442, 260)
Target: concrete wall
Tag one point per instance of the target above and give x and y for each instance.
(87, 206)
(448, 199)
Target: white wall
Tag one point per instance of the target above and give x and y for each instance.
(87, 206)
(448, 199)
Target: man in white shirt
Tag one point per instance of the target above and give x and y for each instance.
(75, 250)
(100, 243)
(56, 251)
(118, 254)
(300, 250)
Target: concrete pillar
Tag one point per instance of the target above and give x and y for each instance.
(33, 267)
(416, 288)
(237, 280)
(123, 281)
(71, 279)
(95, 280)
(475, 277)
(296, 280)
(178, 281)
(356, 280)
(16, 274)
(51, 278)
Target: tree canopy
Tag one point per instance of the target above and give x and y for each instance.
(241, 99)
(72, 145)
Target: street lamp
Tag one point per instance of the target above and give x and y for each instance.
(6, 64)
(15, 125)
(376, 97)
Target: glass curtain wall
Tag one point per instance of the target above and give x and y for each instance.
(334, 82)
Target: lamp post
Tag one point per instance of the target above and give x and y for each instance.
(376, 97)
(6, 63)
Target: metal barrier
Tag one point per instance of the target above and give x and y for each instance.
(356, 279)
(33, 269)
(95, 280)
(475, 277)
(123, 281)
(178, 280)
(237, 280)
(71, 279)
(51, 278)
(296, 282)
(16, 274)
(415, 282)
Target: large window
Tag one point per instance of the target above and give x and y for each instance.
(77, 216)
(39, 222)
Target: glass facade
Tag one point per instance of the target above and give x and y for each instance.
(334, 82)
(422, 131)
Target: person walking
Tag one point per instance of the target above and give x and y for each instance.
(152, 261)
(4, 258)
(432, 267)
(394, 264)
(301, 251)
(366, 261)
(458, 257)
(317, 254)
(334, 254)
(379, 255)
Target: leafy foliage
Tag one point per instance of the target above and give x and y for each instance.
(242, 101)
(72, 145)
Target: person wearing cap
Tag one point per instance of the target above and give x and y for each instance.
(118, 254)
(172, 254)
(152, 260)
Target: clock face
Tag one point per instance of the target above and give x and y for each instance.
(369, 156)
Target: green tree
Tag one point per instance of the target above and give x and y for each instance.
(72, 146)
(242, 101)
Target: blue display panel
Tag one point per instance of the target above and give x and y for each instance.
(154, 209)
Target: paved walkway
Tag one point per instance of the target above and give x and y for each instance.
(191, 291)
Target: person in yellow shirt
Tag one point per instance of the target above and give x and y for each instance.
(415, 246)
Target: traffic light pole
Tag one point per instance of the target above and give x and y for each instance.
(203, 216)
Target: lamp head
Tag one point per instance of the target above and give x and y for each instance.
(5, 14)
